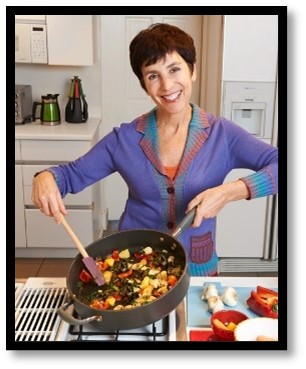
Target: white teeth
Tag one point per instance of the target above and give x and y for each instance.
(172, 96)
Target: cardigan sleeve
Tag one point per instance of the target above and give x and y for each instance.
(93, 166)
(247, 151)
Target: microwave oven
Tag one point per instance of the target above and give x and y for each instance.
(31, 43)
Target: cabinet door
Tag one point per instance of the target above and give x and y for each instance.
(17, 151)
(20, 236)
(53, 151)
(70, 39)
(42, 231)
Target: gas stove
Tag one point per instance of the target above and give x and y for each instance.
(36, 318)
(37, 321)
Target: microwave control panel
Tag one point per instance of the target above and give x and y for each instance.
(38, 43)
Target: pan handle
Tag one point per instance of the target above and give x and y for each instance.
(185, 223)
(68, 318)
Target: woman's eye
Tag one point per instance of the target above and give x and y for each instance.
(174, 69)
(152, 77)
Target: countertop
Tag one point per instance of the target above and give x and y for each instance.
(182, 326)
(64, 131)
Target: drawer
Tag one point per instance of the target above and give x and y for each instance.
(17, 150)
(83, 198)
(42, 231)
(53, 151)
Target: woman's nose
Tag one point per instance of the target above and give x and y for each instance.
(166, 83)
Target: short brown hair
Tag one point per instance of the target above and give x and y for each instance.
(153, 43)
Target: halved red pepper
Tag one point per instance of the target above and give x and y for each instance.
(264, 302)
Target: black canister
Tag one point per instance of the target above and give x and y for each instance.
(76, 110)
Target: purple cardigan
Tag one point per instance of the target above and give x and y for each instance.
(214, 147)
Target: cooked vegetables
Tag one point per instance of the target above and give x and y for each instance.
(132, 278)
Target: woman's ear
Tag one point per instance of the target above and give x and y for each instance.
(194, 73)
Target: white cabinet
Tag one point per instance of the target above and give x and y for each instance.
(42, 231)
(37, 234)
(63, 40)
(20, 235)
(70, 39)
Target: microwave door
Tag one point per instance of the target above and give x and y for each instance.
(22, 43)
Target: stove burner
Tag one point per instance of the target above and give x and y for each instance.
(151, 331)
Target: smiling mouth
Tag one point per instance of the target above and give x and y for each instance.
(172, 97)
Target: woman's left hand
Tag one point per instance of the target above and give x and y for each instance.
(211, 201)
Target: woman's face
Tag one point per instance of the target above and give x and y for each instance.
(169, 83)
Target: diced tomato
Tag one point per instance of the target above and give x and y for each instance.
(172, 280)
(100, 304)
(115, 255)
(117, 296)
(102, 265)
(125, 274)
(138, 255)
(85, 276)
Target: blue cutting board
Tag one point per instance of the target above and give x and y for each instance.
(197, 309)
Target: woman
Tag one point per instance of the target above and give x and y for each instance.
(173, 158)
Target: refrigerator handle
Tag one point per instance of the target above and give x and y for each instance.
(274, 235)
(271, 233)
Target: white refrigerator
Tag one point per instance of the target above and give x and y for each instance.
(246, 235)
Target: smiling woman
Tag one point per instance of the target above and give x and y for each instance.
(175, 133)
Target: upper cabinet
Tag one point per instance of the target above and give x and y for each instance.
(54, 39)
(69, 39)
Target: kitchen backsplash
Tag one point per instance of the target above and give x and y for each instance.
(56, 80)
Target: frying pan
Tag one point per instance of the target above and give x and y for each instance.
(140, 316)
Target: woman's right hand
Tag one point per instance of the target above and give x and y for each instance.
(46, 196)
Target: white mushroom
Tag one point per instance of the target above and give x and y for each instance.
(210, 290)
(230, 296)
(215, 304)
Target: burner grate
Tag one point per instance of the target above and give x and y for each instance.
(152, 332)
(36, 316)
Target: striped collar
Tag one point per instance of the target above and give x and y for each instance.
(198, 120)
(196, 137)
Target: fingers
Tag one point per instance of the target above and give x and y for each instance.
(52, 207)
(46, 196)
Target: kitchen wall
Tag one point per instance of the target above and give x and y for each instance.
(56, 79)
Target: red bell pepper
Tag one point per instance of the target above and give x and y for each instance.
(264, 302)
(85, 276)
